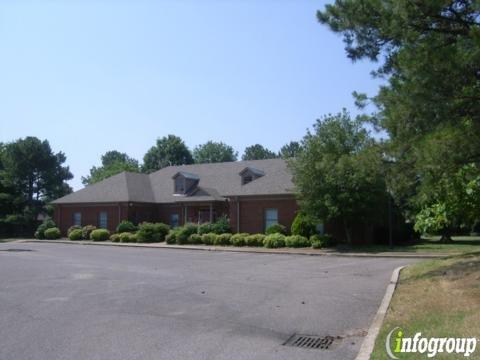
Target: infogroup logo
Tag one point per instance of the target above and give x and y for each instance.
(429, 346)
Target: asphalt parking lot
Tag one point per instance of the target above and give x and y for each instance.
(92, 302)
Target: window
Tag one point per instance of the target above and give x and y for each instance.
(77, 219)
(174, 220)
(271, 217)
(246, 179)
(102, 220)
(179, 185)
(320, 229)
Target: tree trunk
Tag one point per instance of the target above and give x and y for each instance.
(348, 232)
(446, 237)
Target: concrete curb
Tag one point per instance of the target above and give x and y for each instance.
(369, 341)
(284, 251)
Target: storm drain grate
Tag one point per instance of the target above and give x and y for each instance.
(310, 341)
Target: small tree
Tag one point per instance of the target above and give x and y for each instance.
(113, 162)
(258, 152)
(339, 173)
(169, 150)
(213, 152)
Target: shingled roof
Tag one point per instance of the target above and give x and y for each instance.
(216, 182)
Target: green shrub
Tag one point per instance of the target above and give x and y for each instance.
(75, 234)
(128, 237)
(297, 241)
(205, 228)
(52, 233)
(195, 239)
(184, 232)
(46, 224)
(276, 240)
(99, 235)
(321, 241)
(276, 229)
(150, 232)
(221, 226)
(115, 238)
(303, 225)
(222, 239)
(86, 230)
(171, 237)
(209, 239)
(239, 239)
(254, 240)
(74, 227)
(126, 226)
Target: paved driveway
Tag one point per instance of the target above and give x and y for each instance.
(92, 302)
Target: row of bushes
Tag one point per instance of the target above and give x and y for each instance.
(275, 240)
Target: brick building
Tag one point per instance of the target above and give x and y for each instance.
(252, 194)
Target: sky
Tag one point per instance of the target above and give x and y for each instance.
(92, 76)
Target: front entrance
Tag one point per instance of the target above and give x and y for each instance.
(204, 216)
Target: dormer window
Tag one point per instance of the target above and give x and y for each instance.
(246, 179)
(249, 174)
(180, 185)
(184, 182)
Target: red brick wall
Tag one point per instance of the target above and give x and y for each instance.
(252, 212)
(63, 215)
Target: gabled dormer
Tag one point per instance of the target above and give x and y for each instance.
(184, 182)
(249, 174)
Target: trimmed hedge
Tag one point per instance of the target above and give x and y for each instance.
(128, 238)
(46, 224)
(222, 239)
(87, 230)
(52, 233)
(99, 235)
(209, 239)
(126, 226)
(303, 225)
(276, 240)
(254, 240)
(239, 239)
(75, 234)
(195, 239)
(297, 241)
(152, 232)
(115, 238)
(171, 237)
(276, 229)
(184, 232)
(74, 227)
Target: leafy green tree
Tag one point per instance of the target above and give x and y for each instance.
(113, 162)
(258, 152)
(31, 174)
(290, 150)
(213, 152)
(169, 150)
(429, 54)
(339, 174)
(454, 203)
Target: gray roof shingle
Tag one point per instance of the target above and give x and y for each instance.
(217, 181)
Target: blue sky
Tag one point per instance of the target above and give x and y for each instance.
(92, 76)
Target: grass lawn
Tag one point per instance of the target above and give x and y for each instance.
(460, 244)
(439, 298)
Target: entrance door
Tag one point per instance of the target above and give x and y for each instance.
(204, 215)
